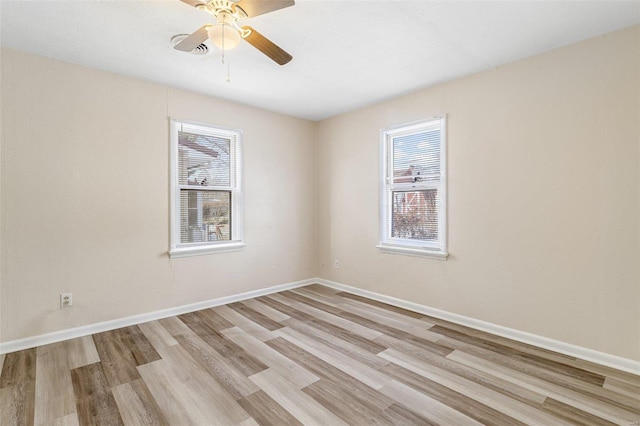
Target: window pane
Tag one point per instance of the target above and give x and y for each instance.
(416, 157)
(204, 160)
(414, 214)
(205, 216)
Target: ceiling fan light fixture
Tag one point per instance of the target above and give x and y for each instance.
(224, 36)
(226, 33)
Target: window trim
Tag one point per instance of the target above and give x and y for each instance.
(393, 245)
(176, 249)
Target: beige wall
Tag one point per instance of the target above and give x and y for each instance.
(543, 196)
(544, 192)
(85, 197)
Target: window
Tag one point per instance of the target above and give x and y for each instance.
(413, 189)
(206, 198)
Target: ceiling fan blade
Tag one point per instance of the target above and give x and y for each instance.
(259, 7)
(266, 46)
(193, 3)
(194, 40)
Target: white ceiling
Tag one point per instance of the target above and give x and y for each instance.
(346, 54)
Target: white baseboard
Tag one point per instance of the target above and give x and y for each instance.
(85, 330)
(586, 354)
(597, 357)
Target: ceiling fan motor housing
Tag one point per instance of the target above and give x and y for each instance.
(220, 8)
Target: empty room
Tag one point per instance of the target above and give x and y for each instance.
(310, 212)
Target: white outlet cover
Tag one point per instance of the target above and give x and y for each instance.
(66, 300)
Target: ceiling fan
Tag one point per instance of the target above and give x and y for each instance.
(227, 34)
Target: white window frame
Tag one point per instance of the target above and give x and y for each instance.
(389, 244)
(178, 249)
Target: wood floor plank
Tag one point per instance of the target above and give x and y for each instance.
(94, 401)
(487, 380)
(157, 335)
(141, 349)
(54, 391)
(433, 410)
(462, 403)
(18, 388)
(255, 316)
(345, 331)
(266, 411)
(318, 297)
(513, 408)
(565, 381)
(623, 376)
(330, 373)
(116, 358)
(171, 395)
(249, 422)
(234, 381)
(322, 289)
(278, 298)
(362, 372)
(213, 319)
(515, 345)
(398, 333)
(344, 404)
(136, 404)
(69, 420)
(193, 389)
(321, 311)
(379, 323)
(416, 327)
(312, 355)
(18, 367)
(304, 408)
(382, 305)
(566, 396)
(623, 388)
(418, 323)
(235, 355)
(244, 323)
(291, 297)
(572, 414)
(176, 326)
(337, 343)
(285, 367)
(400, 415)
(567, 370)
(81, 351)
(17, 403)
(265, 310)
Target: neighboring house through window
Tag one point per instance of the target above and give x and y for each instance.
(413, 189)
(206, 196)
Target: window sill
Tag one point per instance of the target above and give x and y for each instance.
(411, 251)
(201, 250)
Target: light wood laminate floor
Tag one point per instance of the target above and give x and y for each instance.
(308, 356)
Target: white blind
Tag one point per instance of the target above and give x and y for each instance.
(205, 158)
(206, 181)
(415, 157)
(414, 185)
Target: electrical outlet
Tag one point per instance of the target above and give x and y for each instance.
(66, 300)
(336, 263)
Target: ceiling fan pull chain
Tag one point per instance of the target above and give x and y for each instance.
(224, 20)
(228, 72)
